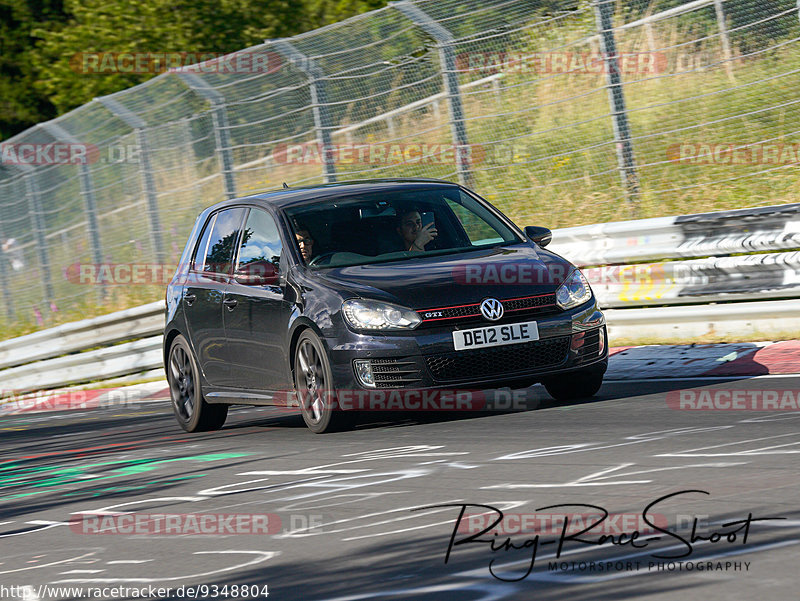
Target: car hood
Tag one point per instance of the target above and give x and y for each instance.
(438, 281)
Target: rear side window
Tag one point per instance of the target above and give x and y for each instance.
(215, 251)
(200, 251)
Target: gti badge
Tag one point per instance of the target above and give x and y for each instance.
(492, 309)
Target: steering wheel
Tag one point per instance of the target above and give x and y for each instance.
(318, 259)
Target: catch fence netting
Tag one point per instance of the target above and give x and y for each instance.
(561, 112)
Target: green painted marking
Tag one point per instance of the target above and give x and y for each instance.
(24, 494)
(39, 477)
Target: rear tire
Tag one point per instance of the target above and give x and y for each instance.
(313, 382)
(574, 386)
(191, 410)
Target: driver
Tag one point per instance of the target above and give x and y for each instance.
(305, 242)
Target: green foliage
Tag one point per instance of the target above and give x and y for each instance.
(43, 42)
(119, 26)
(20, 104)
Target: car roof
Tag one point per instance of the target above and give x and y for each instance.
(287, 197)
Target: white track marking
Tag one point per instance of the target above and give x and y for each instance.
(756, 451)
(52, 563)
(592, 479)
(697, 378)
(83, 572)
(592, 446)
(120, 561)
(260, 557)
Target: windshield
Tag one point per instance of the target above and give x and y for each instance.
(395, 225)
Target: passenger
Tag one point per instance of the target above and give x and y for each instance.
(414, 235)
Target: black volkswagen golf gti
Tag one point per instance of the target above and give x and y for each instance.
(308, 295)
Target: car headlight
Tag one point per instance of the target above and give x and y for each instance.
(574, 291)
(374, 315)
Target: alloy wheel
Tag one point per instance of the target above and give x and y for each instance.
(311, 380)
(181, 383)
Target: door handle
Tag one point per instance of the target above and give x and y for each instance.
(230, 303)
(189, 298)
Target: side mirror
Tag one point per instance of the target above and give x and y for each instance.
(541, 235)
(257, 273)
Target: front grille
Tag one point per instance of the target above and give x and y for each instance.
(503, 360)
(542, 303)
(450, 313)
(530, 302)
(395, 373)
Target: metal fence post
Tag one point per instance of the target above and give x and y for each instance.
(37, 224)
(8, 298)
(219, 115)
(447, 59)
(723, 35)
(87, 191)
(604, 11)
(187, 142)
(319, 102)
(138, 125)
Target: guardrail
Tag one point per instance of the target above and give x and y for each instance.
(740, 250)
(613, 256)
(101, 364)
(686, 236)
(129, 342)
(766, 319)
(130, 324)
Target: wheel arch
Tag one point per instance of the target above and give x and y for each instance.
(298, 327)
(168, 338)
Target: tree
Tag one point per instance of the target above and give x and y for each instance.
(21, 105)
(44, 42)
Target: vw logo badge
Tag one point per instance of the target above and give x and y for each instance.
(492, 309)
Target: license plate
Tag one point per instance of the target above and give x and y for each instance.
(511, 333)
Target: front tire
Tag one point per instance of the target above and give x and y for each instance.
(314, 386)
(574, 386)
(191, 410)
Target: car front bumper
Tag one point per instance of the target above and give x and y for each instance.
(426, 358)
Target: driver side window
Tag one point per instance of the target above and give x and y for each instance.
(261, 241)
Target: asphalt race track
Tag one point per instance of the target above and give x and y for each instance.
(339, 509)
